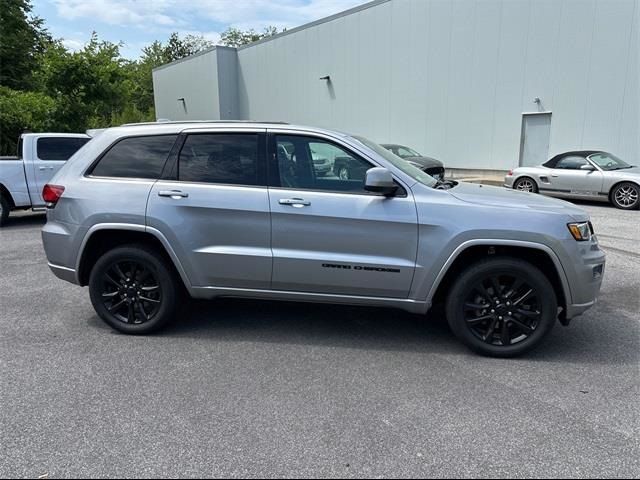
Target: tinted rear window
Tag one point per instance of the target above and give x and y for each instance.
(136, 157)
(220, 158)
(58, 148)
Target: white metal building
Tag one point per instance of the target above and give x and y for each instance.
(479, 84)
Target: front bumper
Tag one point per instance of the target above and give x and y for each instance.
(585, 278)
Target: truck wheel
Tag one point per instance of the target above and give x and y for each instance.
(626, 196)
(501, 307)
(4, 210)
(134, 289)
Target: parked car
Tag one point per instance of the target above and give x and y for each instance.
(146, 212)
(587, 174)
(433, 167)
(40, 156)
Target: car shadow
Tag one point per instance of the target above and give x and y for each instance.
(24, 220)
(337, 326)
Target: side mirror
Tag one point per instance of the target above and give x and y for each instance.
(588, 168)
(379, 180)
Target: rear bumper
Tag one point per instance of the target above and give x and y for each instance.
(64, 273)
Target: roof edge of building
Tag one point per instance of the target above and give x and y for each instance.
(191, 57)
(356, 9)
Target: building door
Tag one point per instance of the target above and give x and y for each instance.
(534, 140)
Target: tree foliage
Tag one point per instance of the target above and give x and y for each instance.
(45, 86)
(22, 39)
(234, 37)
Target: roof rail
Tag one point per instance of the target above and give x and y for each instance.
(172, 122)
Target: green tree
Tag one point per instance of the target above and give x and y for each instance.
(20, 111)
(22, 38)
(234, 37)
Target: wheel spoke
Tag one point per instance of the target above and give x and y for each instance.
(115, 306)
(476, 306)
(150, 289)
(119, 271)
(528, 313)
(488, 337)
(131, 315)
(495, 283)
(479, 319)
(483, 291)
(505, 338)
(523, 297)
(110, 279)
(150, 300)
(525, 328)
(110, 295)
(145, 317)
(517, 283)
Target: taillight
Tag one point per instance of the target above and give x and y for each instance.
(510, 173)
(51, 194)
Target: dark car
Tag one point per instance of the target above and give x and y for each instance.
(429, 165)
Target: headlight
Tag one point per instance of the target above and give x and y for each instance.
(580, 231)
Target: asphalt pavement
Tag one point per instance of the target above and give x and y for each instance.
(265, 389)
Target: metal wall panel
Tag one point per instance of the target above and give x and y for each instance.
(451, 78)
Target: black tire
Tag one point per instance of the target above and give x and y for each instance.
(481, 325)
(526, 184)
(153, 308)
(4, 210)
(626, 196)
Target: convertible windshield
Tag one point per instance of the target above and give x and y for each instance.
(608, 161)
(414, 172)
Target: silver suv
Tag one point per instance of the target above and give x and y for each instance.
(145, 213)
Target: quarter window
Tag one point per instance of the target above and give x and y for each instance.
(136, 157)
(315, 164)
(58, 148)
(219, 158)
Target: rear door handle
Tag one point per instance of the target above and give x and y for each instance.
(175, 194)
(294, 202)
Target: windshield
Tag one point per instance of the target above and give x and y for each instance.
(415, 173)
(404, 152)
(608, 161)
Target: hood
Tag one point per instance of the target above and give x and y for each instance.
(635, 172)
(508, 198)
(424, 162)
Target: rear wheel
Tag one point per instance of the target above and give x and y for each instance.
(526, 184)
(134, 290)
(4, 210)
(626, 196)
(502, 307)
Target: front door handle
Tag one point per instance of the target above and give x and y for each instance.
(294, 202)
(175, 194)
(42, 169)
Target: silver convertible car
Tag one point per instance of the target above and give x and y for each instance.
(587, 174)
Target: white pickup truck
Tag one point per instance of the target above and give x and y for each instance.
(40, 156)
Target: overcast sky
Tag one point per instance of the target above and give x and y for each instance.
(139, 22)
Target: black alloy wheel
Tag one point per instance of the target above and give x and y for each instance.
(502, 306)
(134, 289)
(131, 292)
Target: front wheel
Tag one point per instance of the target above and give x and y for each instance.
(134, 290)
(526, 184)
(501, 307)
(626, 196)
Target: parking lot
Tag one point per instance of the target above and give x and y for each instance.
(264, 389)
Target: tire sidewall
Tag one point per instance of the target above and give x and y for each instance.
(158, 268)
(501, 266)
(624, 207)
(4, 210)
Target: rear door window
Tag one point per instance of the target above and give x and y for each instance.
(223, 158)
(136, 157)
(58, 148)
